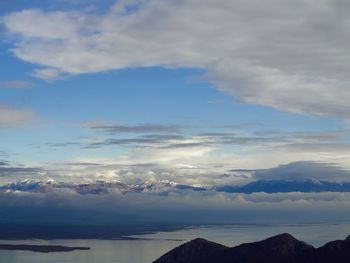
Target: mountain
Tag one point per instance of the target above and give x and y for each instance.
(48, 186)
(282, 248)
(162, 186)
(196, 251)
(98, 187)
(335, 251)
(280, 186)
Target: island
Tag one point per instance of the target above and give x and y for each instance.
(41, 248)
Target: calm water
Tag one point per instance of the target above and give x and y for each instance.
(145, 251)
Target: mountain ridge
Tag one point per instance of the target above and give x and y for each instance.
(105, 187)
(282, 248)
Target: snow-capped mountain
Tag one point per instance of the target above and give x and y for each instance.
(163, 186)
(98, 187)
(280, 186)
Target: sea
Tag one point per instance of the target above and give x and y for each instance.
(148, 247)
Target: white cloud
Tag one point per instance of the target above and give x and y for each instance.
(48, 73)
(279, 53)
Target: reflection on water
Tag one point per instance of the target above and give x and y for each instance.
(145, 251)
(102, 251)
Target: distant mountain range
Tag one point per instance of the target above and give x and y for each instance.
(282, 248)
(98, 187)
(280, 186)
(103, 187)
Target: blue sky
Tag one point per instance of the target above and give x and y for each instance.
(102, 83)
(160, 92)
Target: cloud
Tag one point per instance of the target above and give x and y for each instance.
(16, 84)
(63, 144)
(218, 157)
(48, 74)
(172, 136)
(277, 54)
(16, 172)
(180, 206)
(11, 117)
(13, 171)
(145, 128)
(143, 141)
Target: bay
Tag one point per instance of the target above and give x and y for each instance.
(146, 248)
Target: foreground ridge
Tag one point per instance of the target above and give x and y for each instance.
(283, 248)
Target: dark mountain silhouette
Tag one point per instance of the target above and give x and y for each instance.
(196, 251)
(282, 248)
(335, 251)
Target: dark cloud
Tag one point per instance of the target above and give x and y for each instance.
(4, 154)
(110, 142)
(217, 134)
(147, 128)
(163, 137)
(62, 144)
(146, 140)
(14, 171)
(336, 147)
(246, 170)
(143, 165)
(17, 171)
(172, 141)
(185, 145)
(308, 136)
(79, 164)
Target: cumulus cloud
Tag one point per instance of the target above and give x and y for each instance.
(278, 54)
(11, 117)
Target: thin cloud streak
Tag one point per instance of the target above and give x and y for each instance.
(11, 117)
(16, 84)
(145, 128)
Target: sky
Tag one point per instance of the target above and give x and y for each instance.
(196, 92)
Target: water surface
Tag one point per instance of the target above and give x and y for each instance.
(151, 246)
